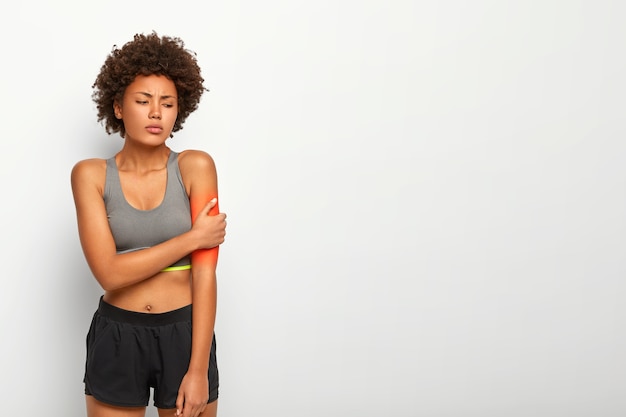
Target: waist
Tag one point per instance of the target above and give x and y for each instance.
(144, 319)
(163, 292)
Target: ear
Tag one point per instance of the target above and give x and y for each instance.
(117, 109)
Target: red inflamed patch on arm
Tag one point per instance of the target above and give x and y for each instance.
(204, 257)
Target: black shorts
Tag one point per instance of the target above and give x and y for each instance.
(129, 352)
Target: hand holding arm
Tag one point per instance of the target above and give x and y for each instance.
(112, 270)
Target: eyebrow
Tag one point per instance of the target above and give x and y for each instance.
(150, 95)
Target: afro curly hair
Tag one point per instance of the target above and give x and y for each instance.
(147, 55)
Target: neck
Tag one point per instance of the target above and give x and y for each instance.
(132, 158)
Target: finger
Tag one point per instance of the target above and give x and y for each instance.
(207, 208)
(198, 409)
(188, 410)
(179, 403)
(210, 204)
(201, 409)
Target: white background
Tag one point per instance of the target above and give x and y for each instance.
(425, 201)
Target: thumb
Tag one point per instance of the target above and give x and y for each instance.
(209, 205)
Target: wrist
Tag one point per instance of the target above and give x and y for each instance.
(198, 369)
(194, 240)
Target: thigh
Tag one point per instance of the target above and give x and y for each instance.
(96, 408)
(209, 411)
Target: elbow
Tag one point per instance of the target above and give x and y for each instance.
(106, 284)
(107, 280)
(107, 287)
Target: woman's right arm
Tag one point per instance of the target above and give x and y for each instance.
(112, 270)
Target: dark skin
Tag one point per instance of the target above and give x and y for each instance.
(134, 281)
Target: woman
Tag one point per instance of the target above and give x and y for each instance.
(150, 228)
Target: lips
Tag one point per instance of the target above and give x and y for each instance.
(154, 129)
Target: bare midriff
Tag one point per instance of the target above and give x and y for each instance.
(166, 291)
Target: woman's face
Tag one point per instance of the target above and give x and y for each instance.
(149, 109)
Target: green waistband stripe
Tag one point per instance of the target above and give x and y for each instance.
(176, 268)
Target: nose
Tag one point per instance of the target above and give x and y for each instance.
(155, 114)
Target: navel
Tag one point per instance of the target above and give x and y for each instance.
(148, 307)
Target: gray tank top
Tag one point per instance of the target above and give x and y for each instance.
(135, 229)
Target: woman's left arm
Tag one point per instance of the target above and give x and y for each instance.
(200, 176)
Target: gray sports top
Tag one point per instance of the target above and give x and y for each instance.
(135, 229)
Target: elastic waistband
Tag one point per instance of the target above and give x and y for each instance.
(176, 268)
(144, 319)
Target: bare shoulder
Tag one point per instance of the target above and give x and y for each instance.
(194, 161)
(198, 171)
(88, 172)
(89, 165)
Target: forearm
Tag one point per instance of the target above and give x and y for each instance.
(121, 270)
(204, 299)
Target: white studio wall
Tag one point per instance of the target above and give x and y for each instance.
(425, 202)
